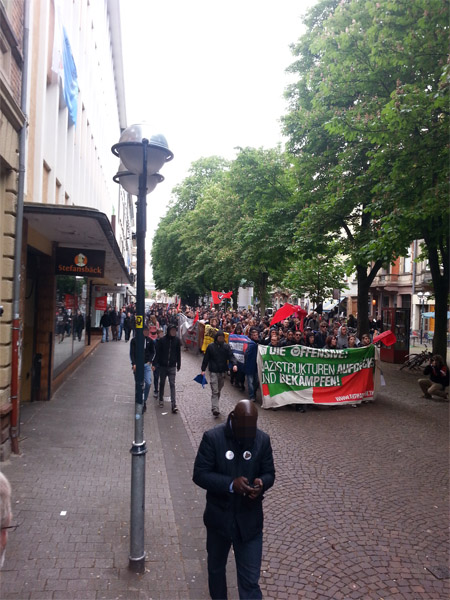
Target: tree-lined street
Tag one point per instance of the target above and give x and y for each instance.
(364, 174)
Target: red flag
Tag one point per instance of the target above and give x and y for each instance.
(219, 296)
(387, 337)
(195, 318)
(179, 304)
(283, 313)
(300, 313)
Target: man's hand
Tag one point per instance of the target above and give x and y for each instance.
(235, 368)
(133, 368)
(257, 489)
(241, 486)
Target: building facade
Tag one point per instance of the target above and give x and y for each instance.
(12, 121)
(76, 227)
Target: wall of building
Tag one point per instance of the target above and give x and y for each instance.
(11, 122)
(72, 164)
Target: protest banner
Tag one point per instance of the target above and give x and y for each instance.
(239, 344)
(188, 331)
(302, 375)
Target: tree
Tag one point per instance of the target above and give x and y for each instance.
(173, 254)
(262, 184)
(229, 223)
(349, 65)
(316, 277)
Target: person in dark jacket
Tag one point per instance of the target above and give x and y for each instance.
(321, 335)
(439, 378)
(115, 322)
(234, 464)
(168, 360)
(251, 364)
(105, 323)
(217, 356)
(149, 355)
(127, 326)
(78, 325)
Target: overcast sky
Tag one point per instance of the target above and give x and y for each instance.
(209, 75)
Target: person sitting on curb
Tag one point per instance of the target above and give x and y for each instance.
(439, 378)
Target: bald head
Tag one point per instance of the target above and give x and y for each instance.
(243, 419)
(245, 408)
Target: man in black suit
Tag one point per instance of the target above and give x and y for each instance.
(234, 464)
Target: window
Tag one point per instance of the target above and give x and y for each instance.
(407, 262)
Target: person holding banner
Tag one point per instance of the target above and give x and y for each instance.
(365, 339)
(234, 464)
(211, 329)
(238, 341)
(217, 356)
(251, 364)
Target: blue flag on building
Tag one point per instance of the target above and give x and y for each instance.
(70, 80)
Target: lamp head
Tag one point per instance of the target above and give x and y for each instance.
(130, 181)
(130, 149)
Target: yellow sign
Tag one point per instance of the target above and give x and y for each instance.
(139, 321)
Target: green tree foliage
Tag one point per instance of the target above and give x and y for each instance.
(263, 186)
(316, 277)
(228, 223)
(179, 236)
(371, 87)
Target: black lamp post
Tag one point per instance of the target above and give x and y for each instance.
(142, 155)
(423, 298)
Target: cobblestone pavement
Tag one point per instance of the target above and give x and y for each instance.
(359, 509)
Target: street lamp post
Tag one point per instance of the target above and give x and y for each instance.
(141, 156)
(423, 298)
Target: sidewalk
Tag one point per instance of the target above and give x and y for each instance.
(71, 494)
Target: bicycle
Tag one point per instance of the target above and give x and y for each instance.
(415, 361)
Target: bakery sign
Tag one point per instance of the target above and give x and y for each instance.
(73, 261)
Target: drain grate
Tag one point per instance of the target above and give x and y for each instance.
(439, 572)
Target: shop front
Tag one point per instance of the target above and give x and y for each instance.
(68, 252)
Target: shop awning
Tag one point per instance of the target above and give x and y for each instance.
(329, 305)
(430, 315)
(81, 227)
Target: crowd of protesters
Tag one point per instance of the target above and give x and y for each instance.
(318, 331)
(329, 331)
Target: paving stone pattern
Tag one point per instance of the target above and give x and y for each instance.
(359, 509)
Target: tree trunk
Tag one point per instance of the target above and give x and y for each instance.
(364, 281)
(363, 300)
(440, 287)
(262, 291)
